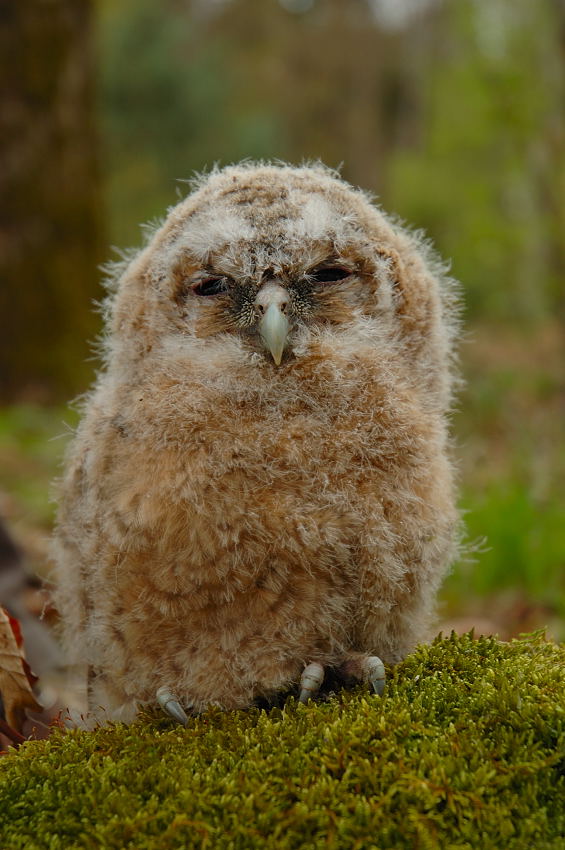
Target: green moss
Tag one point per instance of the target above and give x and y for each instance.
(465, 750)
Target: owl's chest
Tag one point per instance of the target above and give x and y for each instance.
(321, 417)
(294, 448)
(307, 455)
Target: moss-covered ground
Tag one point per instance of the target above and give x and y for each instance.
(465, 750)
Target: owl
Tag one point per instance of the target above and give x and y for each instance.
(260, 493)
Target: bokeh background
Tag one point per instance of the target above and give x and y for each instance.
(451, 111)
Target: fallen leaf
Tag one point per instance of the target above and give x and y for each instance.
(15, 688)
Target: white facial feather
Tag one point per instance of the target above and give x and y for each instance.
(207, 233)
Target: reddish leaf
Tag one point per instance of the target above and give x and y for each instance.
(15, 686)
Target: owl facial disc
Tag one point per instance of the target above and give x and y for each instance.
(272, 302)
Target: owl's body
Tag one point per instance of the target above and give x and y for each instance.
(225, 520)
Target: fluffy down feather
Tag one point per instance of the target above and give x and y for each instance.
(225, 521)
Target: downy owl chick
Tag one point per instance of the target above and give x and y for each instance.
(260, 487)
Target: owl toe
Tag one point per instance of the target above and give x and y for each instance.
(310, 681)
(374, 673)
(364, 668)
(170, 704)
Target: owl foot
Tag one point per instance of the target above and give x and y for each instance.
(365, 668)
(310, 681)
(170, 704)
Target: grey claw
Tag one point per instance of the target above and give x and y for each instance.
(375, 673)
(169, 703)
(310, 681)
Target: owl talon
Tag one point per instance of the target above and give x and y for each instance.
(364, 668)
(374, 672)
(170, 704)
(310, 681)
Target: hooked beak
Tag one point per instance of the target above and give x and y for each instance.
(272, 301)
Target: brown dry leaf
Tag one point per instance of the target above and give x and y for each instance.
(14, 685)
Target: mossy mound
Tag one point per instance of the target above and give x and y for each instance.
(465, 750)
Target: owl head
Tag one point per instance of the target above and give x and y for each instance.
(270, 258)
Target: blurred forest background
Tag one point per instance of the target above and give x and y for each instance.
(452, 112)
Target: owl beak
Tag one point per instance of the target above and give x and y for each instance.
(272, 301)
(273, 330)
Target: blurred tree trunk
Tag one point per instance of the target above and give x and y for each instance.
(50, 227)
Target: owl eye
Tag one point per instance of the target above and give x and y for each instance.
(329, 274)
(210, 286)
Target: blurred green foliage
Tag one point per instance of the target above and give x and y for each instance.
(488, 182)
(524, 546)
(32, 440)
